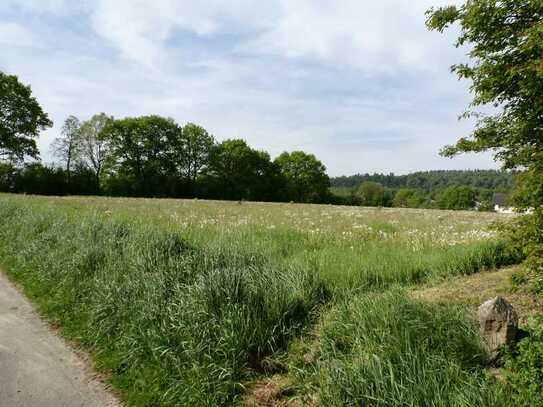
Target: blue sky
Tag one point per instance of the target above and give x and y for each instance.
(361, 84)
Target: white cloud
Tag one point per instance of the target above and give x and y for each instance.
(140, 28)
(376, 36)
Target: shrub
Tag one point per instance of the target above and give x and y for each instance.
(524, 369)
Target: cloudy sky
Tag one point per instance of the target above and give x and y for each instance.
(362, 84)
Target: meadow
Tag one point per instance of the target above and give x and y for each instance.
(188, 302)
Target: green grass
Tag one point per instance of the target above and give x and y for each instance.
(388, 350)
(181, 301)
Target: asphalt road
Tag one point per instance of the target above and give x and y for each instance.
(37, 368)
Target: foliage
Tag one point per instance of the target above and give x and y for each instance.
(408, 198)
(93, 146)
(67, 147)
(306, 179)
(432, 180)
(485, 206)
(458, 198)
(8, 174)
(524, 236)
(524, 369)
(194, 151)
(41, 179)
(21, 119)
(139, 151)
(154, 156)
(36, 178)
(238, 172)
(505, 42)
(422, 189)
(373, 194)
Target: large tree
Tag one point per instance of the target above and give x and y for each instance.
(306, 179)
(93, 144)
(21, 119)
(457, 198)
(373, 194)
(140, 152)
(504, 39)
(236, 171)
(408, 198)
(66, 147)
(191, 151)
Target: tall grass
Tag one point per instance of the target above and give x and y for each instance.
(185, 316)
(174, 323)
(388, 350)
(378, 266)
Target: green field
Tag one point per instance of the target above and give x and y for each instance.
(197, 302)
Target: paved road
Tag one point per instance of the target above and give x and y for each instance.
(37, 369)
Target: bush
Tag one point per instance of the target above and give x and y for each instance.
(524, 369)
(457, 198)
(524, 237)
(374, 194)
(408, 198)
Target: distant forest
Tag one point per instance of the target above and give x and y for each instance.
(432, 180)
(444, 189)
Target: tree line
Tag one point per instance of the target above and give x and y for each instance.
(441, 189)
(432, 180)
(153, 156)
(147, 156)
(455, 197)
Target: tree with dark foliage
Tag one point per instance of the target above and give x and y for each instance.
(374, 194)
(238, 172)
(305, 177)
(139, 154)
(457, 198)
(194, 151)
(21, 120)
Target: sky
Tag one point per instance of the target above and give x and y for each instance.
(361, 84)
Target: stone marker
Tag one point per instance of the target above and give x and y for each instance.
(498, 325)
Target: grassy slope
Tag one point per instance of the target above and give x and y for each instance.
(183, 301)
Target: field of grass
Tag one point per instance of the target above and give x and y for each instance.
(194, 302)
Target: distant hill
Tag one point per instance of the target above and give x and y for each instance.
(431, 180)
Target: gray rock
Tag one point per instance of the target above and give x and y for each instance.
(498, 323)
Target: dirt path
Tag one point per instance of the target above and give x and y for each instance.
(37, 368)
